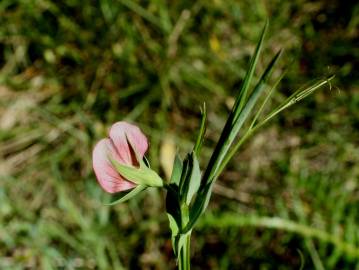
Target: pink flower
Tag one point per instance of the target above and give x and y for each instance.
(117, 147)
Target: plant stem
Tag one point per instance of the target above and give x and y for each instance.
(184, 246)
(184, 256)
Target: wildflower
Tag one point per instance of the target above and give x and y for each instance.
(118, 160)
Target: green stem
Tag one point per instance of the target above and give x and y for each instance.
(184, 256)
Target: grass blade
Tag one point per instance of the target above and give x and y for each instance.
(229, 220)
(144, 13)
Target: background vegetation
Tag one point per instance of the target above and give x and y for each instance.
(71, 68)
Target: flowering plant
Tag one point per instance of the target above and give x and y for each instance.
(118, 162)
(120, 165)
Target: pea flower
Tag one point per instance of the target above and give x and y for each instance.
(118, 160)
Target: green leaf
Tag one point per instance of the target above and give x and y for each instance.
(186, 169)
(173, 225)
(194, 180)
(179, 242)
(239, 114)
(258, 90)
(252, 127)
(271, 91)
(202, 130)
(190, 178)
(126, 195)
(213, 171)
(173, 209)
(228, 134)
(174, 232)
(199, 206)
(242, 98)
(245, 113)
(176, 171)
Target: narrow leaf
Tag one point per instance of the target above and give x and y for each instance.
(289, 102)
(245, 113)
(224, 141)
(271, 91)
(199, 206)
(186, 170)
(180, 240)
(176, 171)
(173, 225)
(194, 180)
(242, 98)
(213, 172)
(173, 207)
(202, 130)
(174, 231)
(190, 179)
(216, 168)
(250, 130)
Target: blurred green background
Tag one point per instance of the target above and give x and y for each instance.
(71, 68)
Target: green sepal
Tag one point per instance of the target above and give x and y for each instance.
(140, 176)
(126, 195)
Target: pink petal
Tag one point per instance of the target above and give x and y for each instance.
(107, 176)
(118, 133)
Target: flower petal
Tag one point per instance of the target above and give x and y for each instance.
(106, 175)
(118, 133)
